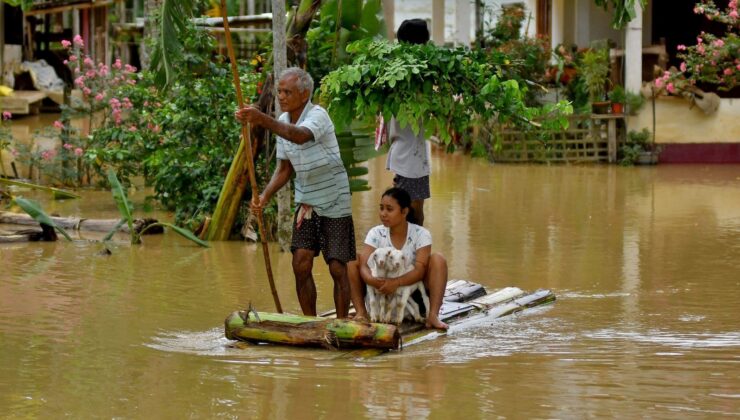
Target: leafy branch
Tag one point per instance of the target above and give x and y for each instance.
(450, 90)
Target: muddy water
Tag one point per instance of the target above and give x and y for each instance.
(644, 261)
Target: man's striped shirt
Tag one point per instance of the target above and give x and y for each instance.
(321, 180)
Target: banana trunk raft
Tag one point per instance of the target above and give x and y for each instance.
(465, 303)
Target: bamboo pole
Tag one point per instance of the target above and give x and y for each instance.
(236, 170)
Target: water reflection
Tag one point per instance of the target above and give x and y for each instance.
(643, 261)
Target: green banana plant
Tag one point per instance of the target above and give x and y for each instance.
(125, 208)
(34, 210)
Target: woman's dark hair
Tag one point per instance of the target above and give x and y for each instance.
(403, 199)
(413, 31)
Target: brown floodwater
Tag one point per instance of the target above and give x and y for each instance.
(645, 263)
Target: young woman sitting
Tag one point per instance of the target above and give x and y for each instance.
(398, 230)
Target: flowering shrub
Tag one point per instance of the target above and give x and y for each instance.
(68, 164)
(183, 140)
(714, 60)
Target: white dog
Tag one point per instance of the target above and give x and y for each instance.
(389, 262)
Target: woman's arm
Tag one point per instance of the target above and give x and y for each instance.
(365, 273)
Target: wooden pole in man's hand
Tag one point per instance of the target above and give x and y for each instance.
(247, 140)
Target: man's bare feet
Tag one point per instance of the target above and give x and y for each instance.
(434, 322)
(361, 317)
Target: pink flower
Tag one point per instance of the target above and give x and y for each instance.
(733, 14)
(66, 44)
(78, 41)
(718, 43)
(86, 91)
(683, 66)
(738, 67)
(73, 58)
(80, 81)
(58, 124)
(700, 49)
(659, 83)
(79, 151)
(88, 62)
(670, 88)
(99, 97)
(117, 65)
(132, 128)
(129, 68)
(7, 115)
(681, 47)
(66, 62)
(728, 71)
(68, 146)
(90, 73)
(48, 155)
(698, 10)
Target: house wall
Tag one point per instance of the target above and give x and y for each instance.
(687, 135)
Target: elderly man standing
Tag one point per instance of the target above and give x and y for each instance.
(308, 148)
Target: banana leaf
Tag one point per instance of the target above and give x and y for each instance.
(34, 210)
(183, 232)
(119, 194)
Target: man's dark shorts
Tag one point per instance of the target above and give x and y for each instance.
(418, 188)
(334, 238)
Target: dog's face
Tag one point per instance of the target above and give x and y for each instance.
(380, 258)
(396, 261)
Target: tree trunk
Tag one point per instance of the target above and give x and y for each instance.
(76, 223)
(307, 331)
(284, 219)
(151, 31)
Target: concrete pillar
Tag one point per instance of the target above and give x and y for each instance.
(633, 53)
(438, 22)
(389, 13)
(462, 22)
(582, 23)
(558, 23)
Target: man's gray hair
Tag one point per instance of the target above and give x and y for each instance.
(304, 81)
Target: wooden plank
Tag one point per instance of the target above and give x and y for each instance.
(22, 101)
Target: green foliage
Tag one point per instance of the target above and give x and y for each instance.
(341, 22)
(638, 142)
(594, 68)
(34, 210)
(24, 4)
(126, 210)
(450, 89)
(182, 140)
(617, 95)
(508, 25)
(623, 10)
(173, 24)
(634, 102)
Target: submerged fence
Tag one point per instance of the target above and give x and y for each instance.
(589, 138)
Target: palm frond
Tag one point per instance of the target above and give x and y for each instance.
(168, 47)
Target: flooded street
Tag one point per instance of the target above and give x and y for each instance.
(645, 263)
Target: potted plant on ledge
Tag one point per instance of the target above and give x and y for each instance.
(618, 98)
(594, 68)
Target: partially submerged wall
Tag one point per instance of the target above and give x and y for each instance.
(688, 135)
